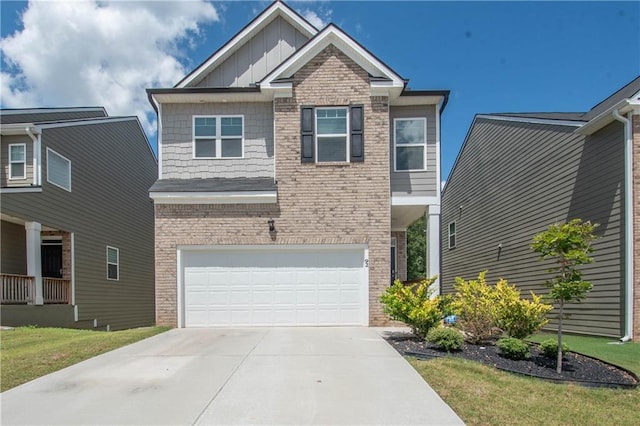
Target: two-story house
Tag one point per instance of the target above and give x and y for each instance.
(518, 173)
(77, 222)
(291, 163)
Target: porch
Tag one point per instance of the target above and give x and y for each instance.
(21, 290)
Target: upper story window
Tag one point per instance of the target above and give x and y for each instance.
(218, 136)
(58, 170)
(452, 235)
(332, 134)
(18, 161)
(331, 137)
(410, 144)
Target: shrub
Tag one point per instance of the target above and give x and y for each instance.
(413, 306)
(445, 303)
(475, 307)
(518, 317)
(549, 348)
(446, 338)
(513, 348)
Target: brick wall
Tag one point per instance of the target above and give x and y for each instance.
(636, 226)
(317, 204)
(401, 254)
(177, 141)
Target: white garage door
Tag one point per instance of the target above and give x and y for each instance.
(280, 285)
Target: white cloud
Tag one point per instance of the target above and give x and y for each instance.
(313, 18)
(86, 53)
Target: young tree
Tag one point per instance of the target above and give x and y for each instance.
(569, 245)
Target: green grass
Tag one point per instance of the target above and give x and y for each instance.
(482, 395)
(29, 352)
(626, 355)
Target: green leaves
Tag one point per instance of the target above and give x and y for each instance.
(413, 305)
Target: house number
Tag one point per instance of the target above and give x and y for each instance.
(366, 263)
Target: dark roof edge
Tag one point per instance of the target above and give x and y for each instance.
(615, 93)
(11, 111)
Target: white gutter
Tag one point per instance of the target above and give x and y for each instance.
(36, 156)
(628, 225)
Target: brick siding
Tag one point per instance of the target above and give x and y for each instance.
(317, 204)
(401, 254)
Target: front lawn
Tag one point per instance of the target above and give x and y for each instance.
(30, 352)
(481, 395)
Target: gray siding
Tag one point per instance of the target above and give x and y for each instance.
(415, 183)
(112, 170)
(258, 57)
(35, 116)
(5, 141)
(13, 245)
(512, 180)
(177, 142)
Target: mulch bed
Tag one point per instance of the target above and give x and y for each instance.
(576, 368)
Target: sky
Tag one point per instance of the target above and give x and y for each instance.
(492, 56)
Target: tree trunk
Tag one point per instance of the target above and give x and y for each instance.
(559, 360)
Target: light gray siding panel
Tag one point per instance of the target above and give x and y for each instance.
(512, 180)
(112, 170)
(257, 57)
(5, 141)
(177, 142)
(13, 245)
(415, 183)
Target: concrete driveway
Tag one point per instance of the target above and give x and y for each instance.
(236, 376)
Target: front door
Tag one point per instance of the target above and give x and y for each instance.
(51, 260)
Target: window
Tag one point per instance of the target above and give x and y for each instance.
(331, 135)
(410, 143)
(18, 161)
(452, 235)
(113, 263)
(218, 137)
(58, 170)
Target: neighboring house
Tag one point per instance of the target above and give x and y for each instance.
(77, 222)
(518, 173)
(291, 163)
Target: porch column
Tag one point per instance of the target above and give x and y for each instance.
(433, 245)
(34, 262)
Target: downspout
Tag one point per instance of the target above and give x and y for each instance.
(628, 225)
(36, 156)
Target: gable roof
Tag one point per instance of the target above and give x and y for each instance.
(628, 91)
(277, 8)
(382, 74)
(625, 100)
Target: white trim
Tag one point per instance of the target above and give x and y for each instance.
(73, 272)
(180, 287)
(48, 174)
(23, 162)
(36, 155)
(276, 9)
(438, 155)
(19, 190)
(49, 110)
(423, 145)
(623, 107)
(433, 251)
(397, 200)
(346, 135)
(240, 197)
(218, 138)
(159, 138)
(110, 263)
(454, 235)
(332, 35)
(531, 120)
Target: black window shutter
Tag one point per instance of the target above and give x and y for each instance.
(357, 133)
(307, 151)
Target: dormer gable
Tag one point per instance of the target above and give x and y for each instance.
(254, 51)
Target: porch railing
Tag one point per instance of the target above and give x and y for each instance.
(21, 290)
(56, 290)
(17, 289)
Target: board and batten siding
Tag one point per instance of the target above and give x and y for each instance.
(177, 141)
(415, 183)
(258, 57)
(112, 168)
(511, 181)
(5, 141)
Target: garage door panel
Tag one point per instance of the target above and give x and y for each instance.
(281, 287)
